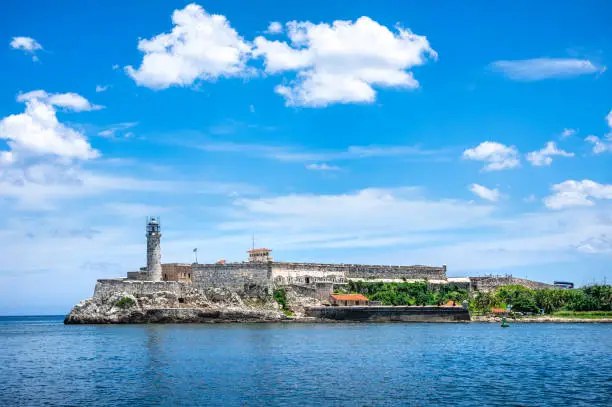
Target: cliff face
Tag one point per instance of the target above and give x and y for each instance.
(117, 302)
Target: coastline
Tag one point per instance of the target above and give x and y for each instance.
(541, 320)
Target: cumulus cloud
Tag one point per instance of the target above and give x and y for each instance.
(602, 145)
(38, 132)
(568, 133)
(344, 61)
(577, 193)
(544, 156)
(544, 68)
(275, 28)
(322, 167)
(69, 101)
(485, 193)
(201, 46)
(497, 156)
(27, 45)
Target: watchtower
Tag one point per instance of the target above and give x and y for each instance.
(260, 256)
(154, 268)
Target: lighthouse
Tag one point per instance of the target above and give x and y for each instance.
(154, 268)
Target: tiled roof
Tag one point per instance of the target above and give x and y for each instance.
(349, 297)
(259, 250)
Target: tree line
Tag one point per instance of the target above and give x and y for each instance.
(590, 298)
(406, 293)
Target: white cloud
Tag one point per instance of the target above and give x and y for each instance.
(27, 45)
(118, 131)
(322, 167)
(201, 46)
(497, 156)
(368, 213)
(596, 244)
(601, 145)
(544, 156)
(568, 133)
(544, 68)
(102, 88)
(37, 131)
(485, 193)
(275, 28)
(577, 193)
(70, 101)
(292, 153)
(344, 61)
(251, 108)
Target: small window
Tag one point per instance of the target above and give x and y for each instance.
(181, 300)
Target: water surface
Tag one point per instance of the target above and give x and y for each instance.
(43, 362)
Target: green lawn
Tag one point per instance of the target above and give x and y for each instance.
(583, 314)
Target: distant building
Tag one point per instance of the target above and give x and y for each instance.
(348, 299)
(260, 256)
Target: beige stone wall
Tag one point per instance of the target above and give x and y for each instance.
(177, 272)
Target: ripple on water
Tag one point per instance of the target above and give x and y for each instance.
(44, 362)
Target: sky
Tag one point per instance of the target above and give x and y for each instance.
(472, 134)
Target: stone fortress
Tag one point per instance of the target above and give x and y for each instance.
(243, 291)
(261, 269)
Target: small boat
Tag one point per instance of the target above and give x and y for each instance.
(504, 323)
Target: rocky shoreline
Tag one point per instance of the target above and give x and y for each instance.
(119, 302)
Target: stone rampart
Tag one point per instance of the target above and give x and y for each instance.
(407, 272)
(487, 283)
(109, 287)
(390, 314)
(319, 290)
(305, 273)
(231, 275)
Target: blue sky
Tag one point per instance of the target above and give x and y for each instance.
(473, 135)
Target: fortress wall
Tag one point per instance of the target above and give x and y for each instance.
(391, 314)
(109, 287)
(305, 273)
(320, 291)
(231, 275)
(488, 283)
(407, 272)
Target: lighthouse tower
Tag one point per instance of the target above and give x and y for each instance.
(153, 249)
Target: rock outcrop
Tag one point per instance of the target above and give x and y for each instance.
(194, 306)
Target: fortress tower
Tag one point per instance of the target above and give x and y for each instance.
(154, 268)
(260, 256)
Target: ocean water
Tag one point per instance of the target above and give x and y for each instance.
(43, 362)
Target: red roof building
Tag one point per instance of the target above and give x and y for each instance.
(348, 300)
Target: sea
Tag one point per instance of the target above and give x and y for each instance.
(46, 363)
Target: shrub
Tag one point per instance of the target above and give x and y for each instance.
(280, 296)
(125, 302)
